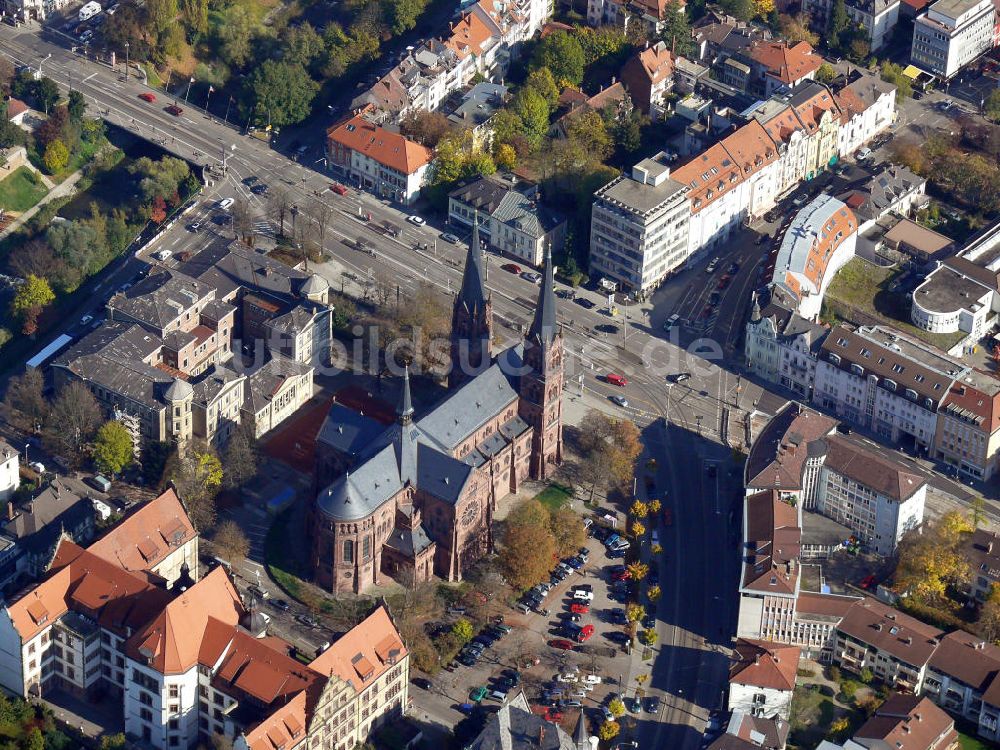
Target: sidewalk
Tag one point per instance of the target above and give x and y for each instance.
(66, 187)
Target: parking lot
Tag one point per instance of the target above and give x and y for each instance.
(568, 650)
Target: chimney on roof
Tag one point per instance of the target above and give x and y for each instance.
(756, 658)
(10, 510)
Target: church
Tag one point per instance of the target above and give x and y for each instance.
(416, 499)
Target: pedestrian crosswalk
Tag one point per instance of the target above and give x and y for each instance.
(264, 228)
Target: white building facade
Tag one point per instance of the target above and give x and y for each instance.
(951, 34)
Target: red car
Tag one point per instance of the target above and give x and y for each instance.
(561, 643)
(579, 609)
(511, 267)
(174, 110)
(585, 632)
(621, 575)
(553, 716)
(724, 281)
(338, 188)
(147, 97)
(620, 380)
(868, 582)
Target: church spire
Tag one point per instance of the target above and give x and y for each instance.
(473, 291)
(544, 324)
(404, 412)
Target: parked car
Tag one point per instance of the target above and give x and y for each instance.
(477, 694)
(511, 268)
(226, 203)
(449, 237)
(37, 466)
(562, 643)
(532, 276)
(680, 377)
(579, 609)
(585, 633)
(174, 110)
(712, 265)
(863, 154)
(416, 220)
(280, 604)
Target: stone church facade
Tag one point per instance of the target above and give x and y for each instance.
(417, 499)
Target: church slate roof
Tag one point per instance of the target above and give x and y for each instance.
(469, 408)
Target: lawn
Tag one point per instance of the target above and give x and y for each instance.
(860, 293)
(554, 496)
(811, 716)
(21, 190)
(965, 742)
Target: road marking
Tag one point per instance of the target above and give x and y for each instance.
(88, 77)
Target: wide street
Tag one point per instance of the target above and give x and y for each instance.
(696, 611)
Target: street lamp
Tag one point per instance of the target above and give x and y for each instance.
(126, 61)
(40, 64)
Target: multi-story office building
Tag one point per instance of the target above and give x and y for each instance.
(951, 34)
(639, 224)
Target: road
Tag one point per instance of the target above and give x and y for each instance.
(690, 670)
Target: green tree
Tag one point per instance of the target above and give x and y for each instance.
(867, 675)
(562, 54)
(991, 107)
(35, 740)
(402, 15)
(648, 636)
(235, 35)
(634, 612)
(161, 14)
(744, 10)
(568, 531)
(528, 546)
(302, 45)
(283, 90)
(507, 126)
(638, 509)
(825, 73)
(839, 24)
(587, 132)
(676, 32)
(56, 157)
(113, 448)
(533, 111)
(46, 94)
(638, 570)
(541, 80)
(195, 16)
(113, 742)
(463, 630)
(654, 593)
(77, 106)
(977, 511)
(893, 73)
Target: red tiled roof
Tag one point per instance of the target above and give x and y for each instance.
(788, 64)
(363, 654)
(908, 722)
(764, 664)
(144, 538)
(384, 146)
(773, 541)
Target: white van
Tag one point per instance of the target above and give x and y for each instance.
(162, 255)
(89, 10)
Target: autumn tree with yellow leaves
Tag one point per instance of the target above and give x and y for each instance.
(931, 561)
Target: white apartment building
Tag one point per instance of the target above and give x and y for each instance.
(868, 107)
(762, 678)
(818, 242)
(884, 381)
(381, 160)
(780, 345)
(10, 477)
(639, 226)
(951, 34)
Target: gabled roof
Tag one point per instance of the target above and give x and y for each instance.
(656, 62)
(83, 582)
(160, 298)
(384, 146)
(143, 539)
(967, 658)
(709, 176)
(890, 631)
(365, 652)
(908, 722)
(779, 453)
(773, 541)
(787, 63)
(764, 664)
(172, 642)
(851, 459)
